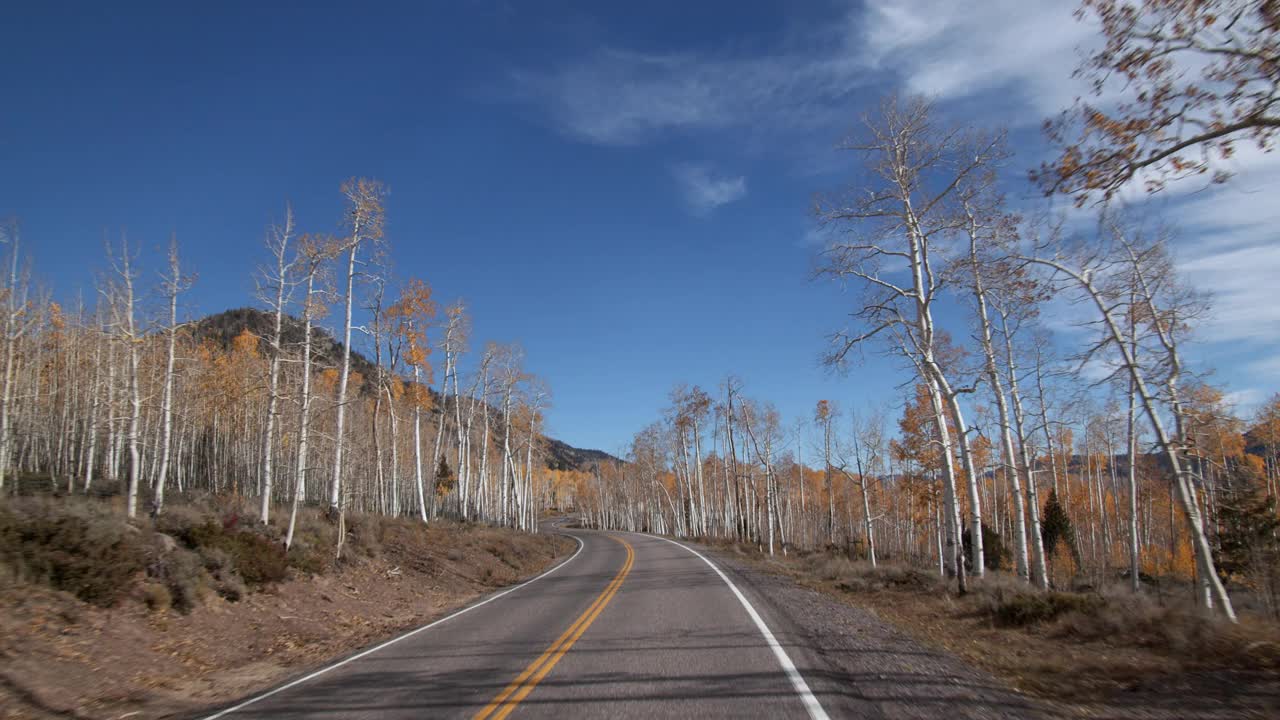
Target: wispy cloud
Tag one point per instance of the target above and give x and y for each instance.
(621, 96)
(1228, 245)
(704, 190)
(953, 50)
(1025, 50)
(625, 97)
(1246, 401)
(1267, 367)
(1006, 62)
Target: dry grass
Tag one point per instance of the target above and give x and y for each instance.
(187, 627)
(1075, 648)
(210, 546)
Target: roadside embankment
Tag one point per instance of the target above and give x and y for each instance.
(100, 618)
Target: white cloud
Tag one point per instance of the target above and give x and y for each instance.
(624, 98)
(704, 191)
(1245, 401)
(1008, 62)
(1020, 51)
(1268, 368)
(954, 50)
(1228, 245)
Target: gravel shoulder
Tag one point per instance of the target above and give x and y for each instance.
(859, 665)
(922, 655)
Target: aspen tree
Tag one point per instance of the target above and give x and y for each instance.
(1151, 274)
(17, 321)
(313, 252)
(905, 215)
(983, 229)
(173, 284)
(824, 415)
(365, 216)
(413, 313)
(278, 284)
(125, 327)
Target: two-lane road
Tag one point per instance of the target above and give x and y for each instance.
(629, 626)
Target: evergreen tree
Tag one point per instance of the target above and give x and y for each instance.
(1056, 527)
(444, 476)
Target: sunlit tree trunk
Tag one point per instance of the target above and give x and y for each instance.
(173, 285)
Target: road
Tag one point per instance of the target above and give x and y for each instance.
(630, 626)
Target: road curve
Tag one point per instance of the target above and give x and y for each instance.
(630, 626)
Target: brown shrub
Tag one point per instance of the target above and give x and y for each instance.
(857, 576)
(225, 547)
(156, 596)
(74, 547)
(181, 573)
(1030, 608)
(1177, 629)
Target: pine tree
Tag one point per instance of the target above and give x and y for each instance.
(1056, 527)
(444, 477)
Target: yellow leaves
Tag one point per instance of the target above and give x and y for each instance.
(822, 413)
(246, 344)
(328, 380)
(412, 314)
(420, 396)
(56, 319)
(365, 211)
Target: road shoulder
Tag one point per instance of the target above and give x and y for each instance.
(861, 665)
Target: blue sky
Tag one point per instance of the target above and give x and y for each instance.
(622, 188)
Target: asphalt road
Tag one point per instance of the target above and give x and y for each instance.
(631, 626)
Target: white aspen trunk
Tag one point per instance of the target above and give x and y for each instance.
(135, 391)
(507, 479)
(112, 448)
(831, 491)
(1213, 590)
(975, 503)
(10, 353)
(769, 500)
(1044, 416)
(273, 373)
(483, 480)
(1039, 575)
(867, 524)
(457, 421)
(417, 449)
(1002, 411)
(395, 453)
(532, 520)
(380, 476)
(304, 413)
(953, 564)
(438, 447)
(166, 402)
(702, 493)
(95, 401)
(335, 483)
(1135, 582)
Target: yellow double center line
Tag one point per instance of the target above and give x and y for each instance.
(507, 700)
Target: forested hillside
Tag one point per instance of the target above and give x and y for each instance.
(129, 394)
(225, 327)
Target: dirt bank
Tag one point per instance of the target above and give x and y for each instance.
(140, 657)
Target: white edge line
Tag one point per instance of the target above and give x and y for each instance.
(392, 641)
(801, 687)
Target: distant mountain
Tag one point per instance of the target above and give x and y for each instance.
(327, 351)
(562, 456)
(224, 327)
